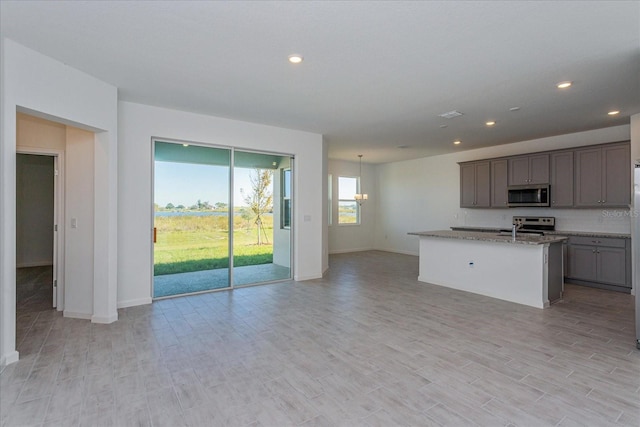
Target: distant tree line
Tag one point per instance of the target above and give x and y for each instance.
(198, 206)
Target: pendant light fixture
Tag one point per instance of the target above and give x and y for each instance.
(360, 197)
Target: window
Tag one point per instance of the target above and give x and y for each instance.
(285, 199)
(348, 208)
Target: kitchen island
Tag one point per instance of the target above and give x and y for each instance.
(527, 270)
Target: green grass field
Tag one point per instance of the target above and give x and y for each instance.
(195, 243)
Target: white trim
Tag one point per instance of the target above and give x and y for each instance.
(134, 302)
(8, 359)
(304, 278)
(104, 319)
(58, 218)
(346, 251)
(73, 315)
(394, 251)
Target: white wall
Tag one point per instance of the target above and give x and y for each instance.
(79, 206)
(34, 210)
(36, 84)
(139, 123)
(423, 194)
(351, 238)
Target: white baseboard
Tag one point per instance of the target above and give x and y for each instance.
(105, 319)
(135, 302)
(73, 315)
(303, 278)
(394, 251)
(346, 251)
(34, 264)
(8, 359)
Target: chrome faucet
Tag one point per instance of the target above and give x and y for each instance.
(514, 230)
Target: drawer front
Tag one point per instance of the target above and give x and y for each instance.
(597, 241)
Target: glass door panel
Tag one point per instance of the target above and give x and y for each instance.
(263, 201)
(191, 218)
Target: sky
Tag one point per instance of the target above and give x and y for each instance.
(185, 184)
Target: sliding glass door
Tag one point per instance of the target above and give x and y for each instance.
(262, 226)
(217, 209)
(191, 218)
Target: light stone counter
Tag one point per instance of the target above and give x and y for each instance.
(521, 238)
(602, 234)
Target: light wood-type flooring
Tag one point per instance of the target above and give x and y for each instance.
(367, 345)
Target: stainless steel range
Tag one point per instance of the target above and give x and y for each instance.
(533, 224)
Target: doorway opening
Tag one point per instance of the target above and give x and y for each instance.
(222, 218)
(37, 204)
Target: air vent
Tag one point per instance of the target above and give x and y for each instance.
(450, 114)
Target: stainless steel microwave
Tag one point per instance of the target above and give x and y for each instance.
(528, 195)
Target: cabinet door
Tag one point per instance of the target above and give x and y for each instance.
(483, 185)
(519, 171)
(539, 169)
(616, 177)
(582, 262)
(611, 265)
(467, 185)
(561, 179)
(588, 181)
(499, 179)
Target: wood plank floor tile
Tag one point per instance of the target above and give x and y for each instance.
(366, 345)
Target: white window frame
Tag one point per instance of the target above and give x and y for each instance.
(355, 202)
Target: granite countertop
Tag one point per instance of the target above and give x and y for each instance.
(485, 236)
(602, 234)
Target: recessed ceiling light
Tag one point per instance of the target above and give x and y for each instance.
(490, 123)
(295, 58)
(564, 85)
(185, 145)
(613, 113)
(457, 142)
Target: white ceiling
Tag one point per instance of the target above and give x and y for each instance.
(375, 75)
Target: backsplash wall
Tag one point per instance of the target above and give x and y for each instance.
(611, 220)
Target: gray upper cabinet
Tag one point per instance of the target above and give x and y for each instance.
(616, 177)
(533, 169)
(475, 185)
(561, 179)
(603, 176)
(499, 182)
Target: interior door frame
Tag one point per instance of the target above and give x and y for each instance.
(58, 218)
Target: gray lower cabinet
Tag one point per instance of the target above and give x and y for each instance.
(475, 185)
(599, 262)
